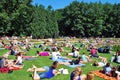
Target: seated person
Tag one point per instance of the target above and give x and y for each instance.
(74, 53)
(19, 59)
(113, 72)
(94, 53)
(76, 75)
(114, 57)
(2, 62)
(45, 73)
(118, 73)
(85, 58)
(55, 54)
(5, 63)
(43, 46)
(118, 57)
(4, 66)
(82, 45)
(60, 49)
(14, 50)
(107, 69)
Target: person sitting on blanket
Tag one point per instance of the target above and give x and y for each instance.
(5, 63)
(2, 62)
(94, 53)
(118, 73)
(60, 49)
(55, 54)
(85, 58)
(118, 57)
(107, 69)
(76, 74)
(74, 53)
(46, 72)
(19, 59)
(114, 57)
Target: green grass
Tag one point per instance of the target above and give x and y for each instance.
(45, 61)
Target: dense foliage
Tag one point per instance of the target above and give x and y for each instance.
(77, 19)
(93, 19)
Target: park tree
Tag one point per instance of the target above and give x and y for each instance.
(44, 23)
(38, 27)
(77, 19)
(15, 16)
(115, 20)
(89, 19)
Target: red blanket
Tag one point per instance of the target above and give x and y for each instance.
(100, 74)
(4, 70)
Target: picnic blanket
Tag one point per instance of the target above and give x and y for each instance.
(75, 65)
(4, 70)
(29, 58)
(62, 59)
(15, 68)
(100, 74)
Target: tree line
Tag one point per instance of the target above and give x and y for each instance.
(80, 19)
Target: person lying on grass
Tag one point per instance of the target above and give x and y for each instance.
(43, 53)
(25, 57)
(100, 64)
(46, 72)
(73, 62)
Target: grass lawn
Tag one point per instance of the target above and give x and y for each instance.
(45, 61)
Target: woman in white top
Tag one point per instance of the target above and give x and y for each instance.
(18, 59)
(76, 53)
(55, 55)
(118, 57)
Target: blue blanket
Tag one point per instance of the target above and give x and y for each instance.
(29, 58)
(62, 59)
(73, 66)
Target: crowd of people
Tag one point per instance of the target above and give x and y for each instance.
(18, 47)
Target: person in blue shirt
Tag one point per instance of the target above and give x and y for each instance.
(2, 61)
(107, 69)
(76, 74)
(47, 72)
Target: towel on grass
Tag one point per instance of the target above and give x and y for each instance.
(102, 75)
